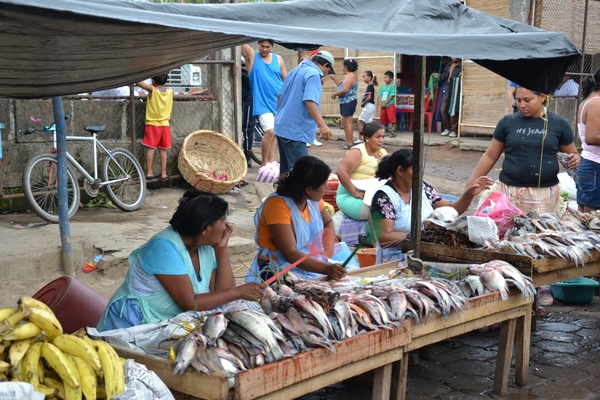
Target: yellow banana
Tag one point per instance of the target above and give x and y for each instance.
(47, 321)
(9, 323)
(18, 349)
(29, 364)
(40, 371)
(80, 348)
(87, 378)
(47, 390)
(4, 366)
(23, 330)
(114, 376)
(7, 312)
(59, 362)
(72, 392)
(56, 384)
(4, 344)
(80, 333)
(29, 302)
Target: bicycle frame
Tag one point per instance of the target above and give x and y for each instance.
(79, 167)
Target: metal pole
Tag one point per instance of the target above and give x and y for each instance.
(63, 205)
(132, 119)
(418, 162)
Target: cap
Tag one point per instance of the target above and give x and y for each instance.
(327, 57)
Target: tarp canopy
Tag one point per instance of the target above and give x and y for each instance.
(59, 47)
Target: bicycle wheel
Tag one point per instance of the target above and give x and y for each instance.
(40, 186)
(127, 194)
(256, 150)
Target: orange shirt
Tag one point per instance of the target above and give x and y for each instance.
(277, 212)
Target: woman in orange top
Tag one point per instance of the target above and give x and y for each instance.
(291, 217)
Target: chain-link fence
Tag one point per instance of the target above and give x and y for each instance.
(206, 101)
(578, 19)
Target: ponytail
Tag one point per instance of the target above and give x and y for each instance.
(591, 84)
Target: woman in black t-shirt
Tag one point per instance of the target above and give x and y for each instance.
(530, 140)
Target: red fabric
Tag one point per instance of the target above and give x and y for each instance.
(157, 137)
(388, 115)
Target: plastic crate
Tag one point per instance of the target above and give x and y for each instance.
(578, 290)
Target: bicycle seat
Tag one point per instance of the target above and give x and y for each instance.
(95, 128)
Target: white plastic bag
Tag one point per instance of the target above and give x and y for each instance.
(482, 229)
(142, 384)
(19, 391)
(268, 173)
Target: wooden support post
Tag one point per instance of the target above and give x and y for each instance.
(382, 382)
(523, 344)
(505, 347)
(399, 377)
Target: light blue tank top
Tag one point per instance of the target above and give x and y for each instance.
(348, 97)
(265, 82)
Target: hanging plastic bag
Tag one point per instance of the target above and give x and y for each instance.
(268, 173)
(500, 210)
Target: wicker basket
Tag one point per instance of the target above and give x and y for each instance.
(205, 155)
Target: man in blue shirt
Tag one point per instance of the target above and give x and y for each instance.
(298, 114)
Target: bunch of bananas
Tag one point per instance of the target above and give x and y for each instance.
(34, 349)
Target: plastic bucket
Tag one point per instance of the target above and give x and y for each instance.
(75, 304)
(366, 257)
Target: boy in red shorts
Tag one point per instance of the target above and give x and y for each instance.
(157, 134)
(387, 95)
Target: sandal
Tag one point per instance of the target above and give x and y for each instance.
(89, 267)
(541, 312)
(345, 146)
(392, 134)
(165, 179)
(152, 176)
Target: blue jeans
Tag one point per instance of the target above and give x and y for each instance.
(289, 151)
(588, 189)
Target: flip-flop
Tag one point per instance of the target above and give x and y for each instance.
(152, 176)
(165, 179)
(89, 267)
(345, 146)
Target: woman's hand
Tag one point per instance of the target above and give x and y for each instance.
(359, 194)
(574, 160)
(336, 272)
(250, 291)
(482, 183)
(332, 77)
(225, 237)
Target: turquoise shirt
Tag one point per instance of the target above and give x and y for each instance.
(165, 254)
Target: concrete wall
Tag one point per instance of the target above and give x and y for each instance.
(17, 148)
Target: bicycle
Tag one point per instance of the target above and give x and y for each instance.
(256, 150)
(122, 179)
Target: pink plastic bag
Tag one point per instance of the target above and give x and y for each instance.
(268, 173)
(500, 210)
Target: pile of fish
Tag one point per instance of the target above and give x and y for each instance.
(548, 235)
(301, 315)
(494, 276)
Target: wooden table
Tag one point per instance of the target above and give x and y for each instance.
(295, 376)
(515, 315)
(384, 351)
(543, 271)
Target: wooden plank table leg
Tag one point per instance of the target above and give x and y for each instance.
(505, 347)
(399, 377)
(382, 382)
(523, 345)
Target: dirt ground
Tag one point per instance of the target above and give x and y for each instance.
(31, 258)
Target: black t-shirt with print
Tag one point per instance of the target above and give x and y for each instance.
(523, 138)
(370, 89)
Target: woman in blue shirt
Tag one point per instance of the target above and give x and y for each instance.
(185, 267)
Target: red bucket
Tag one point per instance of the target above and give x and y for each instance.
(74, 304)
